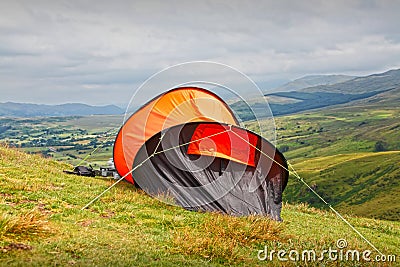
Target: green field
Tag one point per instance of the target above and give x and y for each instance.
(353, 183)
(41, 224)
(67, 139)
(349, 153)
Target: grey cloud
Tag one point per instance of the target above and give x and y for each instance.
(98, 47)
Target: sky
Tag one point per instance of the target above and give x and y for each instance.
(100, 52)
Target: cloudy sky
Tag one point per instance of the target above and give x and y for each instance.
(99, 52)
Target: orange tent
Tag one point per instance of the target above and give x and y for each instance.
(177, 106)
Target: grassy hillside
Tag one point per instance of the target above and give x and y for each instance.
(341, 130)
(41, 224)
(313, 100)
(375, 82)
(365, 184)
(351, 155)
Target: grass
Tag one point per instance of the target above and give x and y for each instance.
(25, 225)
(42, 224)
(335, 131)
(336, 151)
(353, 183)
(223, 237)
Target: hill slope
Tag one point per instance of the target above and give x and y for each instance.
(349, 153)
(312, 80)
(365, 184)
(41, 224)
(371, 83)
(383, 85)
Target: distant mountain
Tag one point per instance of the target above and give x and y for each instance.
(11, 109)
(377, 87)
(315, 100)
(312, 80)
(371, 83)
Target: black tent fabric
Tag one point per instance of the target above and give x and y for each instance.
(212, 183)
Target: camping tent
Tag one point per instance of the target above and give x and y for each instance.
(186, 146)
(177, 106)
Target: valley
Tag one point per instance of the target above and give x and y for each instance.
(348, 151)
(350, 154)
(67, 139)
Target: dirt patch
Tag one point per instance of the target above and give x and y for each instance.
(108, 214)
(15, 246)
(43, 210)
(85, 223)
(5, 195)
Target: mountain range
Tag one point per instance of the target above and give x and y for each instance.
(309, 92)
(383, 86)
(10, 109)
(310, 81)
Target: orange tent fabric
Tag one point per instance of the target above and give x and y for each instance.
(177, 106)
